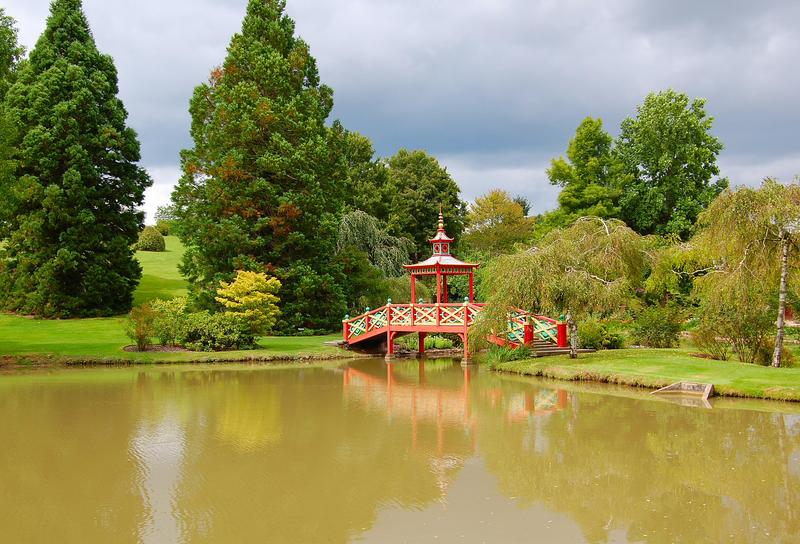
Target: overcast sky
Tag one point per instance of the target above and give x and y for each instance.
(493, 88)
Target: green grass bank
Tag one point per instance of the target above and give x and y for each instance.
(655, 368)
(101, 341)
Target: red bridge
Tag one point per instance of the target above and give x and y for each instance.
(380, 327)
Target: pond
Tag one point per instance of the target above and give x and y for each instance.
(370, 452)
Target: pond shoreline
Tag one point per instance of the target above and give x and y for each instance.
(654, 368)
(46, 361)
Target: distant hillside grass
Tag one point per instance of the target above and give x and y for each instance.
(160, 276)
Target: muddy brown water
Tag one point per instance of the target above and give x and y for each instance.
(365, 452)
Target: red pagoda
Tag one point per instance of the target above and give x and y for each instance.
(442, 265)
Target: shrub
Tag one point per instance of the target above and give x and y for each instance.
(764, 354)
(746, 328)
(150, 240)
(203, 331)
(502, 354)
(712, 345)
(438, 342)
(252, 297)
(164, 227)
(593, 334)
(431, 342)
(169, 319)
(140, 326)
(657, 327)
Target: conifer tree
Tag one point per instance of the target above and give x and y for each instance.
(263, 185)
(70, 214)
(11, 54)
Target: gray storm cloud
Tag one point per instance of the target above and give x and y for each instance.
(494, 88)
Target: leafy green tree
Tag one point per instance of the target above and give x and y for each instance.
(495, 222)
(588, 174)
(524, 203)
(365, 286)
(417, 186)
(263, 185)
(675, 266)
(166, 213)
(594, 266)
(751, 237)
(364, 233)
(166, 219)
(670, 157)
(70, 215)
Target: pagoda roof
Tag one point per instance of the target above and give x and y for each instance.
(441, 260)
(441, 237)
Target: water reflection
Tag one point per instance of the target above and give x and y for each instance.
(383, 453)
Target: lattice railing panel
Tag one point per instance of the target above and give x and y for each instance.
(401, 316)
(451, 316)
(377, 320)
(358, 327)
(545, 330)
(425, 315)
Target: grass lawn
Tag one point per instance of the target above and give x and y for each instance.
(660, 367)
(102, 340)
(160, 277)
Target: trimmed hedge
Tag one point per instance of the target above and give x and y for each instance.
(150, 239)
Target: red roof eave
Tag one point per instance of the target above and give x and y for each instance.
(433, 265)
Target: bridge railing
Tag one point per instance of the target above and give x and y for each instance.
(523, 327)
(453, 315)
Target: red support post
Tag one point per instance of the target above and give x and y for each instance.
(345, 330)
(421, 348)
(471, 287)
(528, 333)
(561, 329)
(438, 286)
(465, 335)
(413, 289)
(390, 343)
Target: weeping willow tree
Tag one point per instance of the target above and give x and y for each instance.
(751, 237)
(360, 231)
(594, 266)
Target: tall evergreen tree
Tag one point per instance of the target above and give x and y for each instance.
(71, 215)
(263, 185)
(11, 54)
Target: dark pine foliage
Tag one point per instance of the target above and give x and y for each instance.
(263, 186)
(70, 215)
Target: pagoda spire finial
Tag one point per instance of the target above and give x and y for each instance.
(441, 219)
